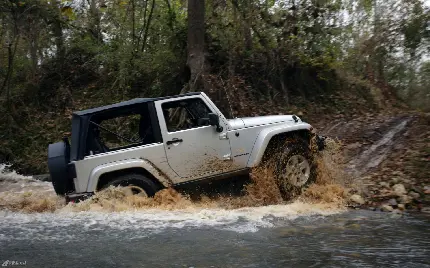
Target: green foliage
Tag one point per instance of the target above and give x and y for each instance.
(60, 56)
(414, 28)
(367, 5)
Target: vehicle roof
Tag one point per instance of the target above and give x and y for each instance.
(128, 103)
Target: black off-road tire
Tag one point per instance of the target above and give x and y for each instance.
(134, 179)
(293, 147)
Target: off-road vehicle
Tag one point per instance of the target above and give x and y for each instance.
(148, 144)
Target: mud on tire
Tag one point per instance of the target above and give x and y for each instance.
(294, 167)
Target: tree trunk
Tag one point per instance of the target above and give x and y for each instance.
(246, 26)
(12, 45)
(172, 16)
(148, 23)
(57, 31)
(133, 22)
(196, 42)
(232, 51)
(34, 49)
(94, 21)
(281, 75)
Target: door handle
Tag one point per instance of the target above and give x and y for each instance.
(175, 140)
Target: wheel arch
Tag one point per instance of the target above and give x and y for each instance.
(270, 136)
(110, 176)
(101, 175)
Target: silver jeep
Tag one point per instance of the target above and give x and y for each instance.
(148, 144)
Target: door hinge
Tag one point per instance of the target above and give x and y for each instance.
(223, 136)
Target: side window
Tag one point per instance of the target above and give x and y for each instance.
(120, 132)
(185, 114)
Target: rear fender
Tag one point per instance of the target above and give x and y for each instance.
(266, 135)
(122, 165)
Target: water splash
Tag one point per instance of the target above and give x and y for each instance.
(22, 193)
(24, 198)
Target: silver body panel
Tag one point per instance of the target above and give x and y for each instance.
(236, 123)
(90, 169)
(268, 119)
(204, 152)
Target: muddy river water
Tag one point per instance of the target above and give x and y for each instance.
(297, 234)
(239, 238)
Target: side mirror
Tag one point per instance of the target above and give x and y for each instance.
(214, 121)
(203, 122)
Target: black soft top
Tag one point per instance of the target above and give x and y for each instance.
(120, 105)
(81, 119)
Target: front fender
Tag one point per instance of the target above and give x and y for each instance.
(97, 172)
(266, 135)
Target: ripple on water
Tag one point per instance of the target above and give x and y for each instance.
(154, 220)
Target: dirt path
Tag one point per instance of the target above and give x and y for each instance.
(372, 156)
(369, 143)
(389, 153)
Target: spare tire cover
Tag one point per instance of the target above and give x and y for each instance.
(58, 158)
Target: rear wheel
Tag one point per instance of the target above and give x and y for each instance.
(136, 183)
(295, 168)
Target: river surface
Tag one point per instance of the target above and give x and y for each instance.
(207, 239)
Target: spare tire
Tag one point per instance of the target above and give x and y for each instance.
(58, 160)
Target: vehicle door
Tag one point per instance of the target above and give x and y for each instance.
(193, 148)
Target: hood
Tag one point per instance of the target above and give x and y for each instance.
(260, 120)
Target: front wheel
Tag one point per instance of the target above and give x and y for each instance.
(295, 169)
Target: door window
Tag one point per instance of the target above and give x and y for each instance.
(185, 114)
(119, 132)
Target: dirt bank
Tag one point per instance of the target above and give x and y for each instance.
(389, 154)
